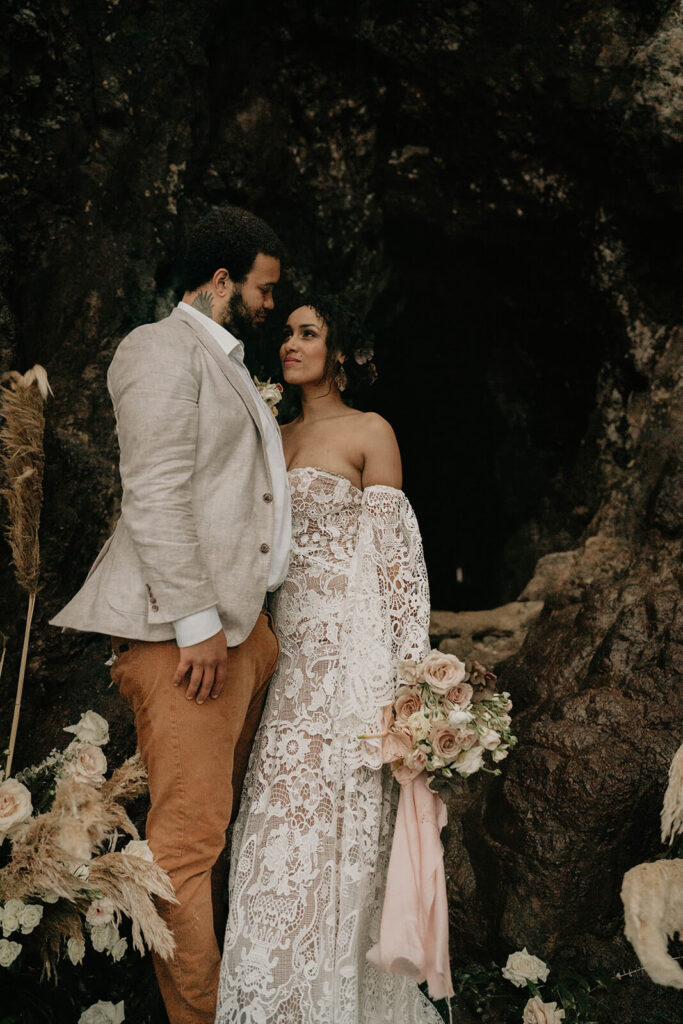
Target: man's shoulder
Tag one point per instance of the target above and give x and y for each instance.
(171, 339)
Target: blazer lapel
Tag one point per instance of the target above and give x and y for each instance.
(226, 364)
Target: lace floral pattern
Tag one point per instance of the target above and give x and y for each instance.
(312, 840)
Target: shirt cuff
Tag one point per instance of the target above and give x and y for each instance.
(192, 629)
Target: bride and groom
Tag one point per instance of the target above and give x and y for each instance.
(258, 576)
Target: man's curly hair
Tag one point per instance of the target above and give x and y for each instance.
(229, 237)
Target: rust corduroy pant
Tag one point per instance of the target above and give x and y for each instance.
(196, 757)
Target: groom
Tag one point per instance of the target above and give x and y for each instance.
(204, 533)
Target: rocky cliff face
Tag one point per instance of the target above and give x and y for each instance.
(497, 187)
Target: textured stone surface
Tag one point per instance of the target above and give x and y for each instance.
(499, 190)
(487, 636)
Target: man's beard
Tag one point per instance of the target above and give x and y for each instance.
(239, 319)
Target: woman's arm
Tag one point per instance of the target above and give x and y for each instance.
(382, 462)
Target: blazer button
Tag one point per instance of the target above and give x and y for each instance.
(267, 496)
(264, 549)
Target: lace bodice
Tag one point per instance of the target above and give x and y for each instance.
(311, 843)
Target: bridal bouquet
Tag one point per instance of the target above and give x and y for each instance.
(447, 720)
(62, 879)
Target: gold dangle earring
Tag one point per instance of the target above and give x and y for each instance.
(341, 380)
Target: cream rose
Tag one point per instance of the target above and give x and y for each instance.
(411, 671)
(443, 671)
(469, 761)
(11, 916)
(538, 1012)
(100, 912)
(30, 918)
(460, 695)
(15, 804)
(523, 966)
(88, 765)
(138, 848)
(75, 949)
(490, 739)
(445, 741)
(103, 1013)
(9, 951)
(407, 702)
(419, 726)
(409, 768)
(91, 728)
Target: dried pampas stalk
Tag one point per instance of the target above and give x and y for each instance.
(672, 808)
(652, 895)
(128, 882)
(21, 461)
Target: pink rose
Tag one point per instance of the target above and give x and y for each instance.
(408, 768)
(460, 694)
(445, 741)
(538, 1012)
(443, 671)
(88, 765)
(406, 703)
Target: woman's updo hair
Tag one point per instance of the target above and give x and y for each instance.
(346, 338)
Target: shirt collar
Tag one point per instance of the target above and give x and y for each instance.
(227, 341)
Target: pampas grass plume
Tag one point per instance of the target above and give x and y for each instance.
(672, 808)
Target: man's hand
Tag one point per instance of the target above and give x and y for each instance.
(208, 664)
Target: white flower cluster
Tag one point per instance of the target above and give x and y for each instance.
(103, 1013)
(104, 933)
(270, 393)
(523, 968)
(447, 719)
(17, 916)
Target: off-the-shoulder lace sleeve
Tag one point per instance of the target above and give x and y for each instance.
(386, 617)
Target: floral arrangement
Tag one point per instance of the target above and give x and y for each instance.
(271, 393)
(62, 880)
(446, 719)
(513, 993)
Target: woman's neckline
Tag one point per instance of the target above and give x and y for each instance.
(327, 472)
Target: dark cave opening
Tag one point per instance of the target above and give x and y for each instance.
(488, 350)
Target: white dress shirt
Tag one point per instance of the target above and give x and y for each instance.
(192, 629)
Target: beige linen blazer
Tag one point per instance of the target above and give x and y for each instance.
(196, 522)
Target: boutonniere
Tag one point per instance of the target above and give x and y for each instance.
(270, 393)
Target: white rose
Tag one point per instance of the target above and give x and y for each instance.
(522, 967)
(103, 1013)
(91, 728)
(118, 950)
(138, 848)
(469, 762)
(104, 936)
(490, 739)
(30, 918)
(9, 951)
(100, 912)
(88, 765)
(538, 1012)
(419, 725)
(15, 804)
(11, 916)
(75, 949)
(50, 897)
(443, 671)
(460, 717)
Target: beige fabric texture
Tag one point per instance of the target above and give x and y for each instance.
(196, 522)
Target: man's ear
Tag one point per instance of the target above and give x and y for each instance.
(221, 282)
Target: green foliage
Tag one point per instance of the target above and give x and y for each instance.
(482, 990)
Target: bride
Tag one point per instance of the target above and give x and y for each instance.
(312, 839)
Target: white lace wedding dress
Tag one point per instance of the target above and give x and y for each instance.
(311, 843)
